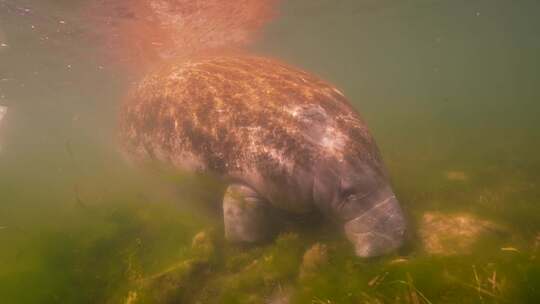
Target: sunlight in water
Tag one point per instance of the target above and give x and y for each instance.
(143, 31)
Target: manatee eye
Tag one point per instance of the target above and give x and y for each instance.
(357, 192)
(359, 184)
(348, 193)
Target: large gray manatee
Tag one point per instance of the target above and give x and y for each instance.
(281, 138)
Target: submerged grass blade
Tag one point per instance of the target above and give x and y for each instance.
(413, 291)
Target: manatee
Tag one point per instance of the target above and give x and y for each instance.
(281, 138)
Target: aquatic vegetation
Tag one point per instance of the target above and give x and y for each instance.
(314, 258)
(449, 234)
(293, 271)
(148, 246)
(78, 226)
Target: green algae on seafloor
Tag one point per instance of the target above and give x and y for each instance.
(252, 275)
(139, 229)
(258, 272)
(114, 247)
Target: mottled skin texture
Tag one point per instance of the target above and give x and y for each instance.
(287, 136)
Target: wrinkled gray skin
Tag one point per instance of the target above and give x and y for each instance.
(357, 196)
(281, 138)
(364, 200)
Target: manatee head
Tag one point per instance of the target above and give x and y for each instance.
(378, 230)
(359, 195)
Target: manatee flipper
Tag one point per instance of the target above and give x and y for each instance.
(245, 215)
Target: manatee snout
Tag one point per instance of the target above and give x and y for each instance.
(379, 230)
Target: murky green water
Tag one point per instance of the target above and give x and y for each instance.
(449, 89)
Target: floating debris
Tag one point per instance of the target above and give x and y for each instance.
(377, 280)
(398, 261)
(457, 176)
(512, 249)
(3, 112)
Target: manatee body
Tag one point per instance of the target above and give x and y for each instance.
(283, 139)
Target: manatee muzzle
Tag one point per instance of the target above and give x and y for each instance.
(379, 230)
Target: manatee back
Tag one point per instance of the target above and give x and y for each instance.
(233, 114)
